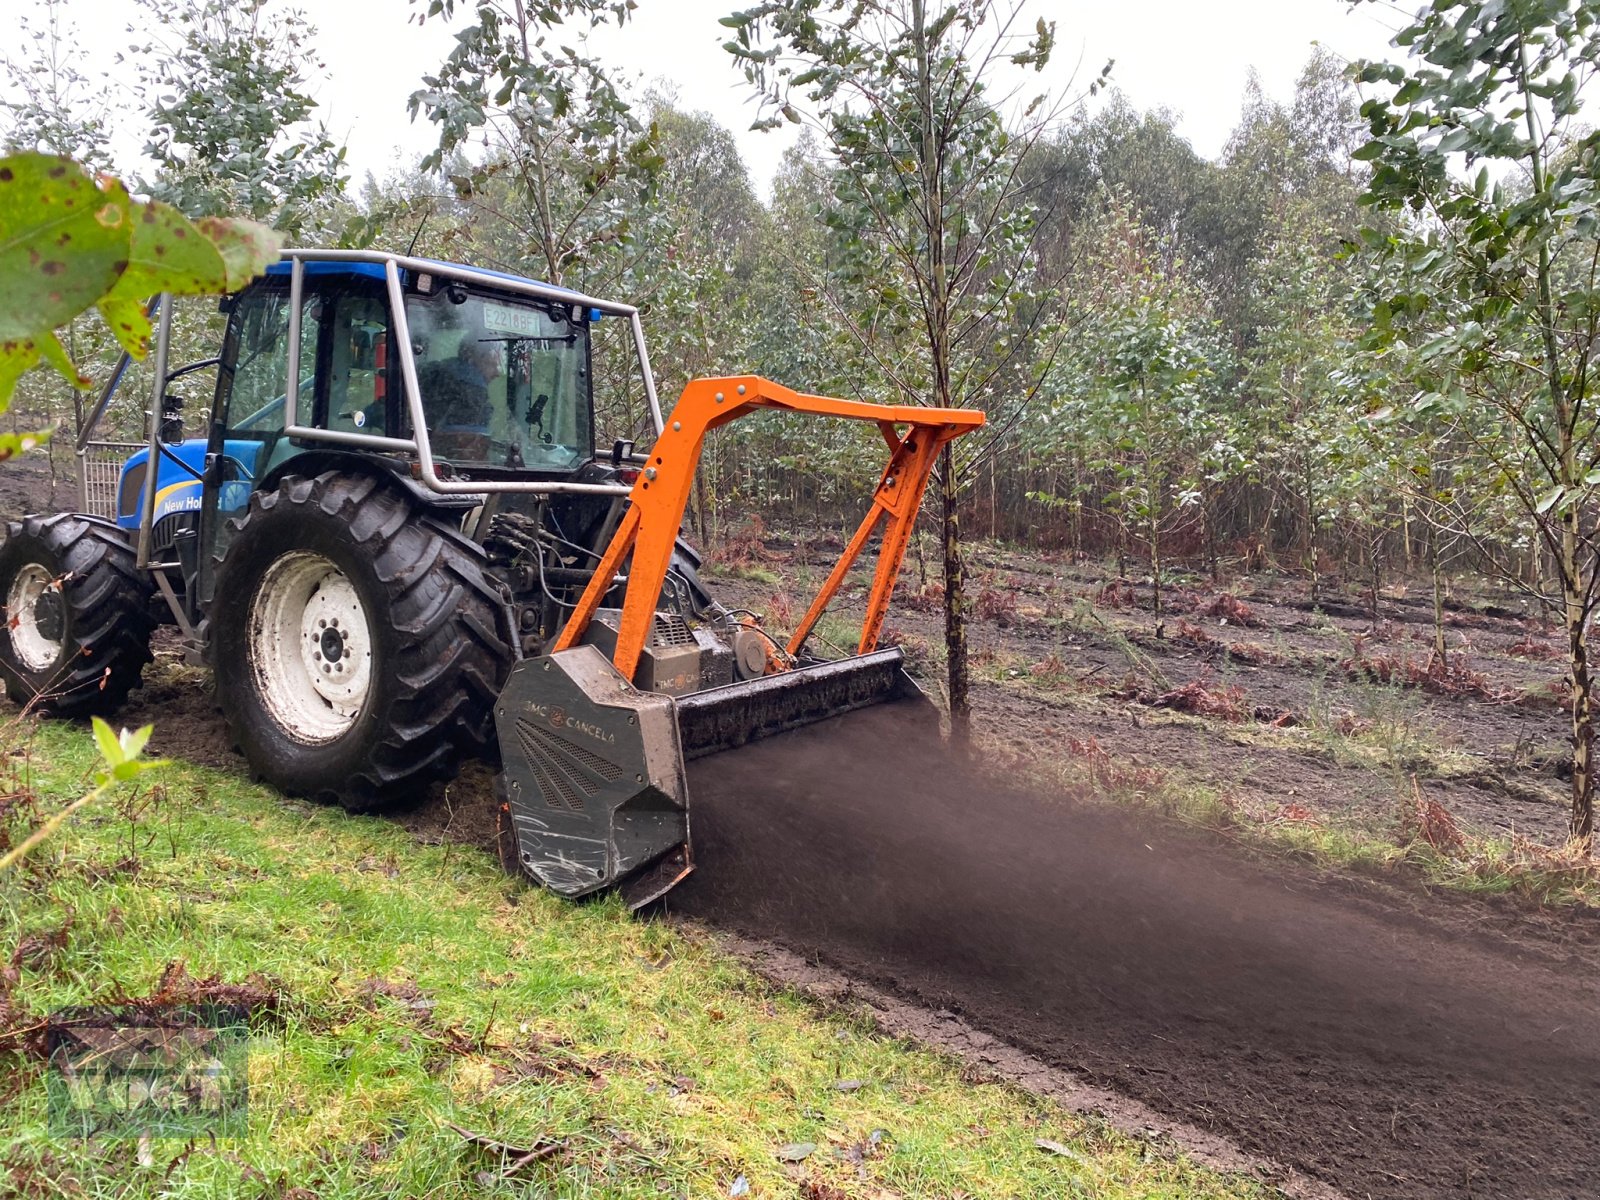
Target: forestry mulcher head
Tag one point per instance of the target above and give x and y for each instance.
(594, 735)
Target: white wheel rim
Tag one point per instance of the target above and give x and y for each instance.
(34, 650)
(310, 648)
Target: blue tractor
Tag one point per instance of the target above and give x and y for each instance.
(397, 546)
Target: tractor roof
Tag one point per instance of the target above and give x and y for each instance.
(376, 270)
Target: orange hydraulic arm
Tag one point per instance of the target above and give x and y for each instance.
(649, 528)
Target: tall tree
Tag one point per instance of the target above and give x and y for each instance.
(1136, 392)
(928, 187)
(232, 126)
(57, 109)
(565, 158)
(1502, 280)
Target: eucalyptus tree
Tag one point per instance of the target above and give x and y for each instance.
(56, 107)
(927, 193)
(1297, 303)
(546, 144)
(1501, 280)
(1138, 391)
(232, 126)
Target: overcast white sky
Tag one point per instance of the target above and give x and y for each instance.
(1192, 56)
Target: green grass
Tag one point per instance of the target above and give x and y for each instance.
(1462, 861)
(418, 985)
(749, 572)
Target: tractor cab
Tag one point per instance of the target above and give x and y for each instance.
(472, 388)
(503, 377)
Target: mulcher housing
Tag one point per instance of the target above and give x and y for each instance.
(398, 547)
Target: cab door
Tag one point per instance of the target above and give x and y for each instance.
(345, 349)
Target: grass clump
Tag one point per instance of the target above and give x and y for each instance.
(1421, 840)
(429, 1022)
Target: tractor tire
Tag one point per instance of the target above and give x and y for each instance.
(357, 644)
(78, 615)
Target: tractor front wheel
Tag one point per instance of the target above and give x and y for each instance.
(357, 644)
(77, 615)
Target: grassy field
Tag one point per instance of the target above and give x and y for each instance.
(399, 990)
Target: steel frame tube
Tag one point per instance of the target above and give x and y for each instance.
(158, 391)
(420, 445)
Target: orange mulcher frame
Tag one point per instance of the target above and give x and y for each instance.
(649, 528)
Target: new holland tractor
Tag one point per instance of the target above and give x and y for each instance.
(398, 546)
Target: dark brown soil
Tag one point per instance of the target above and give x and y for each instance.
(1394, 1051)
(1492, 751)
(28, 485)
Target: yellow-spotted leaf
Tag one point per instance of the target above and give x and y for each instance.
(167, 254)
(247, 247)
(18, 354)
(63, 242)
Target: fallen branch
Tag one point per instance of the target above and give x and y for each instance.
(520, 1156)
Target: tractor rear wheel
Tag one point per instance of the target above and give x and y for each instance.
(77, 615)
(357, 644)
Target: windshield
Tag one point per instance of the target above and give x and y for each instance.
(504, 380)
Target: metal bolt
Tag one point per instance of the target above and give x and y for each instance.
(326, 669)
(322, 624)
(649, 472)
(741, 389)
(719, 397)
(334, 622)
(677, 426)
(889, 482)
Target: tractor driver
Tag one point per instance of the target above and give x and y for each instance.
(456, 393)
(466, 400)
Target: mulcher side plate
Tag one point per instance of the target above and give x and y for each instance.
(594, 768)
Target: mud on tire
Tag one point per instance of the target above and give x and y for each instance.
(78, 616)
(357, 644)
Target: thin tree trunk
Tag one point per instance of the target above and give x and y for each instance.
(1155, 561)
(1439, 648)
(1582, 693)
(955, 617)
(1375, 564)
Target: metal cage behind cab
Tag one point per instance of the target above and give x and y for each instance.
(99, 469)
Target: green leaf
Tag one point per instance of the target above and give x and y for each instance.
(1550, 499)
(63, 242)
(167, 254)
(110, 745)
(124, 771)
(133, 743)
(13, 444)
(247, 247)
(19, 355)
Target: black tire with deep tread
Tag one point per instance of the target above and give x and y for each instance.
(107, 614)
(441, 634)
